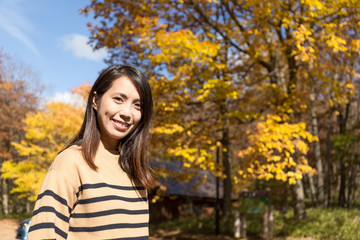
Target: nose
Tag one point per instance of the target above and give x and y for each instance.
(125, 112)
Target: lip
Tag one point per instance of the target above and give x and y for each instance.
(120, 125)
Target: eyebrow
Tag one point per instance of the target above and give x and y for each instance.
(123, 95)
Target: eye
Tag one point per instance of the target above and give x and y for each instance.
(138, 106)
(118, 99)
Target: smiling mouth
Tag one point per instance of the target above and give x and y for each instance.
(121, 125)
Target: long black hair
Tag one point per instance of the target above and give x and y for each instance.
(133, 157)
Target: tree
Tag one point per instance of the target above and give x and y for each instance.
(47, 132)
(17, 98)
(271, 149)
(195, 48)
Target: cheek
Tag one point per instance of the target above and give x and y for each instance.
(107, 109)
(102, 114)
(137, 117)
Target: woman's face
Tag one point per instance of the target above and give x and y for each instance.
(118, 111)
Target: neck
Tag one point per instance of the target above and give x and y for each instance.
(111, 147)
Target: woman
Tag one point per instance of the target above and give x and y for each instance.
(96, 187)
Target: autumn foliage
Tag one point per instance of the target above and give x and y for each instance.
(266, 83)
(241, 73)
(47, 132)
(277, 150)
(214, 52)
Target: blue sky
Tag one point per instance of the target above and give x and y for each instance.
(51, 37)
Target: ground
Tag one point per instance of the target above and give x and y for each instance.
(176, 235)
(8, 229)
(8, 232)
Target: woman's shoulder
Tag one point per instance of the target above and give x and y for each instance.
(69, 157)
(67, 165)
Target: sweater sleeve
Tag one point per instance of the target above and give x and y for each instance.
(53, 206)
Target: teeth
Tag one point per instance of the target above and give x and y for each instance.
(121, 123)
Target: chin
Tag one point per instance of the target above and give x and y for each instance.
(119, 137)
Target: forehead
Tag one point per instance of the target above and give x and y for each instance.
(123, 85)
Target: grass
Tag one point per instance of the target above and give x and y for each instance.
(321, 224)
(327, 224)
(332, 223)
(19, 216)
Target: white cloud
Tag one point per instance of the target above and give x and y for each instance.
(66, 97)
(12, 20)
(79, 46)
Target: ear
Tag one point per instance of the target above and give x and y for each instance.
(94, 101)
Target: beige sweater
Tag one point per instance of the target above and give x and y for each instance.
(76, 202)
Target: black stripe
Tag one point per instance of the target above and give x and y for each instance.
(55, 196)
(109, 212)
(101, 185)
(51, 209)
(111, 197)
(131, 238)
(108, 227)
(48, 225)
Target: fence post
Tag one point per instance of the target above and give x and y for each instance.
(237, 222)
(243, 225)
(268, 220)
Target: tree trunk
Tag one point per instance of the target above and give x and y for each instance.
(355, 186)
(352, 185)
(298, 200)
(342, 197)
(5, 197)
(28, 207)
(312, 189)
(327, 186)
(317, 154)
(225, 142)
(342, 126)
(227, 170)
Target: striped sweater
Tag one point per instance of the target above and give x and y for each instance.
(76, 202)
